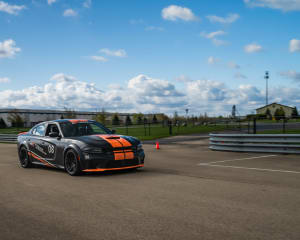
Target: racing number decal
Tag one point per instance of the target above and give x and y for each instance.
(50, 149)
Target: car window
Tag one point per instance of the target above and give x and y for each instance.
(51, 128)
(82, 129)
(39, 130)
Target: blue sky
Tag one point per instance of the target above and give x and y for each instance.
(203, 55)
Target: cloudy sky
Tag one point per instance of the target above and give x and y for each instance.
(149, 56)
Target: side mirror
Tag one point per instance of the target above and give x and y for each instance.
(113, 131)
(54, 134)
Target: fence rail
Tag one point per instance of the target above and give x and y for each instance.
(272, 143)
(8, 138)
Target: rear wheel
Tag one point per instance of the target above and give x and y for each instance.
(24, 158)
(71, 163)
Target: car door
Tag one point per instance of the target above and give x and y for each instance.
(35, 143)
(52, 145)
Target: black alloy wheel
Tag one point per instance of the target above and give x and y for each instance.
(24, 158)
(71, 163)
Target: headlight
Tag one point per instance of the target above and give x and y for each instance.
(94, 150)
(139, 147)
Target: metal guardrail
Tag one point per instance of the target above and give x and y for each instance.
(8, 138)
(271, 143)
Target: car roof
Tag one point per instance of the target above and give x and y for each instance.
(71, 120)
(66, 120)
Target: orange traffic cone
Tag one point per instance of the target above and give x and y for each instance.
(157, 145)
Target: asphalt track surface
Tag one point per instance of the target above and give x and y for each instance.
(185, 191)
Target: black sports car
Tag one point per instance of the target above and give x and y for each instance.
(78, 145)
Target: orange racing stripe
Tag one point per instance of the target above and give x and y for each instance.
(77, 120)
(109, 169)
(118, 142)
(41, 160)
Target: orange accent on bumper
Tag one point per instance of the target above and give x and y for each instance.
(110, 169)
(129, 155)
(119, 155)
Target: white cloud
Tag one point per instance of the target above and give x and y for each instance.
(213, 37)
(87, 3)
(70, 13)
(114, 53)
(8, 49)
(174, 13)
(145, 94)
(239, 75)
(154, 28)
(295, 45)
(253, 47)
(4, 80)
(99, 58)
(283, 5)
(234, 65)
(50, 2)
(212, 60)
(291, 75)
(183, 79)
(226, 20)
(11, 9)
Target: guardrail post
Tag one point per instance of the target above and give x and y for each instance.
(170, 127)
(145, 129)
(283, 125)
(254, 125)
(248, 126)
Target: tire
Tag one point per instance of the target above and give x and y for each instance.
(72, 165)
(25, 162)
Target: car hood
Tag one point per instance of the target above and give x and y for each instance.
(107, 140)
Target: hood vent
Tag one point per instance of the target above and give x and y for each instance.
(113, 138)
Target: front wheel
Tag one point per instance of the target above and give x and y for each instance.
(71, 163)
(24, 158)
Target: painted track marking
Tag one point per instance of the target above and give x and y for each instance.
(257, 169)
(240, 159)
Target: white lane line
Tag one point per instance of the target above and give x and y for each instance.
(240, 159)
(257, 169)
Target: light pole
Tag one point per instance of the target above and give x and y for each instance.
(186, 112)
(267, 77)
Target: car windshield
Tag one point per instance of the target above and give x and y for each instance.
(76, 129)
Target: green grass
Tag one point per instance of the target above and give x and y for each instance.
(13, 130)
(156, 131)
(279, 131)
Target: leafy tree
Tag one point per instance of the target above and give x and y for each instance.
(69, 113)
(128, 120)
(295, 112)
(154, 119)
(268, 114)
(279, 113)
(145, 120)
(116, 120)
(175, 115)
(138, 118)
(100, 117)
(2, 123)
(15, 119)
